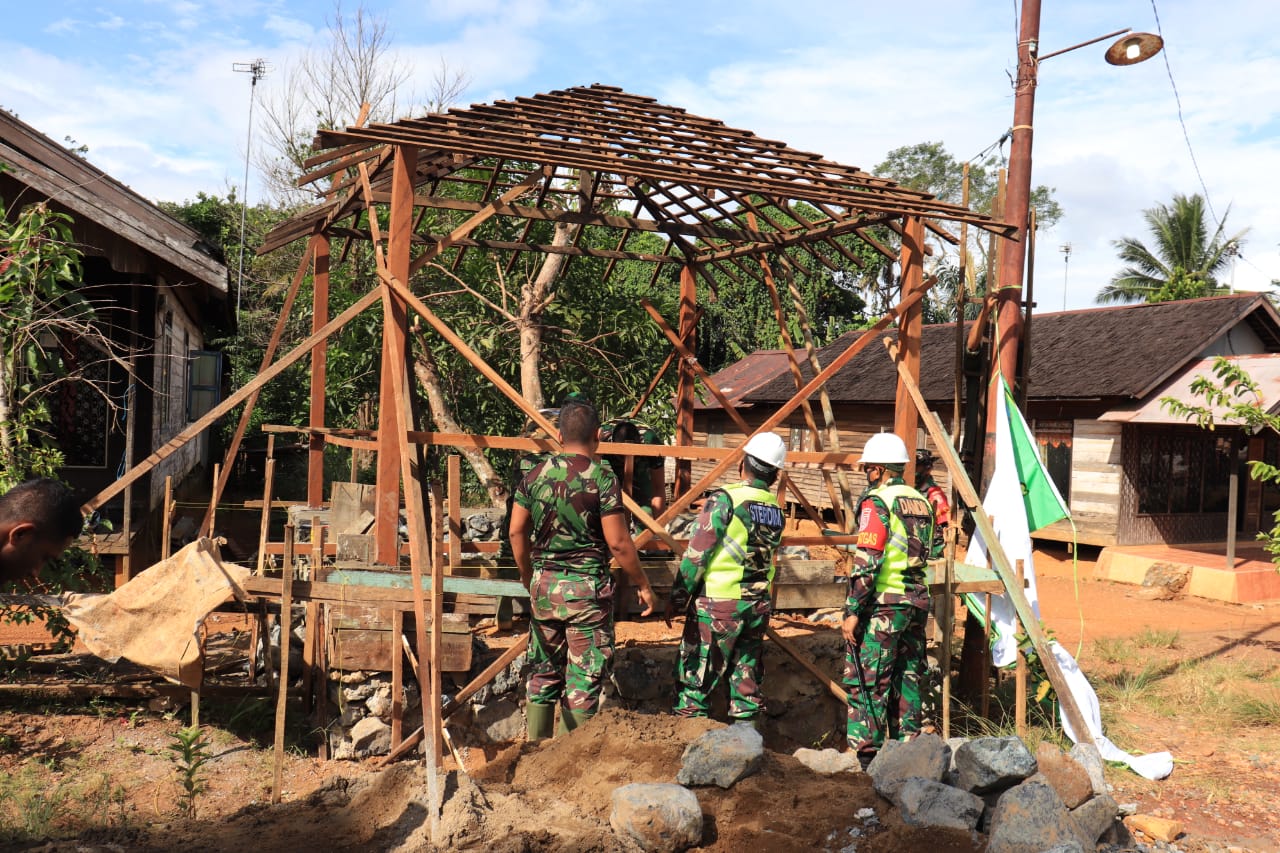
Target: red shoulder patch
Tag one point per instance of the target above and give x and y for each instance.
(872, 534)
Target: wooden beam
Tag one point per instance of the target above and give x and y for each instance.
(1030, 622)
(906, 419)
(268, 354)
(319, 369)
(685, 375)
(683, 500)
(286, 609)
(215, 414)
(835, 689)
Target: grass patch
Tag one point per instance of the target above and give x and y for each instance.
(37, 803)
(1156, 638)
(1113, 649)
(1127, 689)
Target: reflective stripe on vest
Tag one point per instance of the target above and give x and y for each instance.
(892, 576)
(745, 552)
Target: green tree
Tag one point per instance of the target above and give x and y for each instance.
(1183, 260)
(929, 167)
(1238, 399)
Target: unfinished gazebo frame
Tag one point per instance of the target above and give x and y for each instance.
(725, 200)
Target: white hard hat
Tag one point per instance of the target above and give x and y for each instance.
(884, 448)
(767, 447)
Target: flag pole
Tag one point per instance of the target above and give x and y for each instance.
(1026, 615)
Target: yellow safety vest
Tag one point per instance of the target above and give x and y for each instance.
(744, 560)
(900, 568)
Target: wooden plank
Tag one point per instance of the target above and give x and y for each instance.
(834, 689)
(319, 368)
(397, 678)
(455, 509)
(810, 596)
(286, 608)
(393, 590)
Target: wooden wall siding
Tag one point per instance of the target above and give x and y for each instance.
(1097, 471)
(857, 424)
(1171, 528)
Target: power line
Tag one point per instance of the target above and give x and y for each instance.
(1181, 120)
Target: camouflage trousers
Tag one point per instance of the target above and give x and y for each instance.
(725, 636)
(570, 638)
(884, 668)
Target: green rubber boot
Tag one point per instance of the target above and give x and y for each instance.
(570, 720)
(540, 719)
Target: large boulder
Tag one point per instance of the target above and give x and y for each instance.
(657, 817)
(1030, 818)
(988, 764)
(924, 802)
(370, 736)
(722, 757)
(925, 756)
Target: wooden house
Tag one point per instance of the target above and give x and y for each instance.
(1131, 472)
(159, 294)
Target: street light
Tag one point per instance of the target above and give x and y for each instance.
(1130, 49)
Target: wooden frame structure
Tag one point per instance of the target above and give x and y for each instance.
(725, 202)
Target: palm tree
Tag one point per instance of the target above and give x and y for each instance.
(1183, 262)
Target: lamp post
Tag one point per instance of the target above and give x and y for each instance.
(1131, 48)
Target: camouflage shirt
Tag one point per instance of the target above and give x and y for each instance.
(567, 494)
(642, 469)
(874, 527)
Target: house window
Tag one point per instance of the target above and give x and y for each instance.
(1183, 471)
(1054, 440)
(83, 412)
(204, 382)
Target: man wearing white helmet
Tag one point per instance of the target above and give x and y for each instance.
(888, 603)
(727, 575)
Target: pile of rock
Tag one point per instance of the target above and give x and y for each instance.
(1050, 802)
(363, 726)
(1024, 803)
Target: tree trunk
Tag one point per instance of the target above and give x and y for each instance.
(428, 376)
(529, 324)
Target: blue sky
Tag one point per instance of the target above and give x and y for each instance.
(148, 86)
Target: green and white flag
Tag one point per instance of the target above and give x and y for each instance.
(1044, 504)
(1020, 500)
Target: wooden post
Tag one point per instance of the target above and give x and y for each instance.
(268, 483)
(684, 384)
(319, 369)
(906, 418)
(322, 677)
(455, 511)
(212, 513)
(130, 404)
(309, 641)
(282, 695)
(397, 678)
(948, 626)
(166, 524)
(1020, 679)
(986, 654)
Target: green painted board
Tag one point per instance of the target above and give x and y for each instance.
(452, 583)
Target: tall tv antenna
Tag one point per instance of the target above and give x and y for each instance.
(257, 70)
(1065, 249)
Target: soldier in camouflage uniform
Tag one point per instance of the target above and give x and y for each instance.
(648, 480)
(727, 574)
(520, 466)
(566, 520)
(888, 604)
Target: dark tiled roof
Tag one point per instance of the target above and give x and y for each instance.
(1122, 351)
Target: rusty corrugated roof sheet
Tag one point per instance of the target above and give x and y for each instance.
(744, 376)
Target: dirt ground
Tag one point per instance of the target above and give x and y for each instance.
(103, 773)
